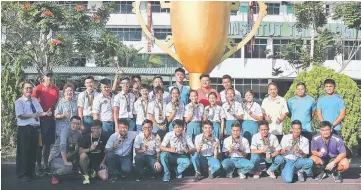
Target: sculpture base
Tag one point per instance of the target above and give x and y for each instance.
(194, 81)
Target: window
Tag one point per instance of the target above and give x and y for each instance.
(127, 34)
(237, 54)
(256, 50)
(278, 46)
(122, 7)
(234, 12)
(327, 9)
(349, 49)
(72, 4)
(162, 33)
(272, 9)
(329, 53)
(358, 82)
(156, 8)
(289, 9)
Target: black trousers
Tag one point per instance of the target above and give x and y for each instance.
(27, 144)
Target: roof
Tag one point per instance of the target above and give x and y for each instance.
(106, 70)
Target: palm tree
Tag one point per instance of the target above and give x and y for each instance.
(154, 60)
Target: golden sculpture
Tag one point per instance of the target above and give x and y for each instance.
(200, 34)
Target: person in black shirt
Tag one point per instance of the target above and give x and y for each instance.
(92, 154)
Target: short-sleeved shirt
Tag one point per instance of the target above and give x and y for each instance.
(208, 145)
(141, 110)
(184, 92)
(237, 97)
(255, 108)
(330, 107)
(126, 144)
(197, 113)
(47, 97)
(301, 108)
(180, 142)
(166, 97)
(259, 144)
(235, 108)
(103, 106)
(23, 107)
(331, 148)
(241, 143)
(64, 107)
(215, 113)
(125, 102)
(202, 96)
(157, 109)
(67, 142)
(86, 100)
(275, 108)
(179, 110)
(153, 143)
(288, 141)
(96, 155)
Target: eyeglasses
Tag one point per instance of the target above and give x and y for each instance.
(75, 123)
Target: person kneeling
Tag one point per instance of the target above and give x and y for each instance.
(92, 153)
(265, 147)
(329, 153)
(236, 149)
(208, 148)
(147, 149)
(65, 151)
(175, 147)
(294, 150)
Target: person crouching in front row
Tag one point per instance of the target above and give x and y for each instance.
(176, 147)
(206, 156)
(147, 148)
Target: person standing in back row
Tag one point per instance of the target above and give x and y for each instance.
(205, 89)
(179, 75)
(227, 84)
(85, 103)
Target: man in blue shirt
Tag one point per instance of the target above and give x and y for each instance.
(329, 153)
(331, 107)
(302, 107)
(179, 75)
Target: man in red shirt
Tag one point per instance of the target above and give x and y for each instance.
(204, 91)
(47, 94)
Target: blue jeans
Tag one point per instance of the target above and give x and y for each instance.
(256, 159)
(291, 166)
(139, 128)
(229, 164)
(216, 129)
(142, 160)
(228, 126)
(114, 161)
(249, 128)
(107, 128)
(205, 162)
(131, 126)
(170, 127)
(87, 121)
(194, 128)
(167, 158)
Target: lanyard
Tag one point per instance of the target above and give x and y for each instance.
(144, 107)
(96, 142)
(127, 101)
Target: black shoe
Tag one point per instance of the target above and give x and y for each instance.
(39, 173)
(113, 178)
(300, 176)
(35, 177)
(47, 171)
(197, 177)
(337, 177)
(139, 178)
(210, 175)
(321, 176)
(25, 179)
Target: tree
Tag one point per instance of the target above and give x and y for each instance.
(46, 34)
(127, 54)
(345, 87)
(349, 13)
(154, 61)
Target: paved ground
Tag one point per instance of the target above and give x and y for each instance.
(352, 181)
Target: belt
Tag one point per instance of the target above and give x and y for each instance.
(108, 121)
(31, 126)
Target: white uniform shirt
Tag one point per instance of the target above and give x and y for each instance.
(22, 107)
(166, 97)
(179, 111)
(236, 108)
(241, 143)
(153, 144)
(126, 145)
(258, 143)
(275, 108)
(215, 113)
(181, 142)
(125, 102)
(103, 107)
(197, 114)
(255, 108)
(302, 143)
(208, 146)
(157, 109)
(237, 97)
(141, 110)
(83, 102)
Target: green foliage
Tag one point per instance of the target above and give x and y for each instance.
(349, 13)
(310, 14)
(10, 90)
(345, 87)
(154, 61)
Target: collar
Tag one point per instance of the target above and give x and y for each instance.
(270, 98)
(269, 134)
(25, 98)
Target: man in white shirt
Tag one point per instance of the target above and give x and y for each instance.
(147, 149)
(158, 81)
(206, 156)
(227, 84)
(265, 147)
(156, 111)
(295, 148)
(236, 149)
(233, 110)
(176, 147)
(141, 107)
(85, 103)
(119, 148)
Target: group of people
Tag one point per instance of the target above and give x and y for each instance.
(169, 130)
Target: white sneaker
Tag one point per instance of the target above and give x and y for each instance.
(241, 175)
(271, 174)
(256, 175)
